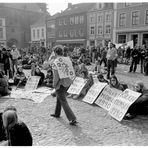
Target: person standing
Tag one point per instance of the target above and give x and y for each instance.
(111, 57)
(15, 54)
(103, 56)
(61, 85)
(135, 59)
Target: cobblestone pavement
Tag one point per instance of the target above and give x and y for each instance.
(95, 126)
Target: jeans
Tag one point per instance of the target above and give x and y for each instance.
(134, 63)
(110, 65)
(62, 102)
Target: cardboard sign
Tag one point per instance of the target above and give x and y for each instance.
(77, 85)
(122, 103)
(107, 97)
(37, 96)
(32, 83)
(65, 67)
(93, 92)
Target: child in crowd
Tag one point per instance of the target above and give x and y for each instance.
(20, 77)
(49, 78)
(17, 132)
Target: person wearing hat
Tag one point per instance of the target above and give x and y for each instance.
(15, 55)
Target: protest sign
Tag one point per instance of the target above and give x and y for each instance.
(130, 44)
(77, 85)
(107, 96)
(93, 92)
(65, 67)
(122, 102)
(51, 58)
(32, 83)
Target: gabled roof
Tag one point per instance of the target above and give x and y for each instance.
(23, 6)
(53, 16)
(78, 8)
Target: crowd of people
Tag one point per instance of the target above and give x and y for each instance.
(12, 64)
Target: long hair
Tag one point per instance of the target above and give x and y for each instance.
(9, 119)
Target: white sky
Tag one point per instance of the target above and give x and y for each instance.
(55, 6)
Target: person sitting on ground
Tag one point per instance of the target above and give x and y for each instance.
(17, 131)
(4, 86)
(115, 83)
(89, 83)
(20, 77)
(101, 78)
(140, 106)
(49, 78)
(38, 72)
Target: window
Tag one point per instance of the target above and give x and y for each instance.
(65, 33)
(76, 19)
(91, 19)
(108, 29)
(92, 30)
(33, 33)
(71, 33)
(135, 18)
(100, 18)
(38, 33)
(108, 17)
(121, 38)
(99, 5)
(1, 22)
(60, 34)
(122, 19)
(81, 33)
(64, 22)
(1, 33)
(81, 19)
(72, 20)
(146, 19)
(60, 22)
(42, 33)
(128, 4)
(100, 29)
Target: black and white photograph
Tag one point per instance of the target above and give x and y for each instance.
(73, 73)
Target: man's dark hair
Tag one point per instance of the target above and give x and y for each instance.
(58, 50)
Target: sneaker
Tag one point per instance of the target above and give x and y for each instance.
(73, 122)
(56, 116)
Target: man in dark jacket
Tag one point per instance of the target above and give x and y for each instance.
(135, 57)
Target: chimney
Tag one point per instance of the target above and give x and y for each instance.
(69, 5)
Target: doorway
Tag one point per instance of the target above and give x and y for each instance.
(134, 37)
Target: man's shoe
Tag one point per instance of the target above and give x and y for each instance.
(73, 122)
(56, 116)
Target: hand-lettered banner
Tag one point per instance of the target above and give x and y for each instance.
(32, 83)
(93, 92)
(122, 103)
(77, 85)
(107, 97)
(65, 67)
